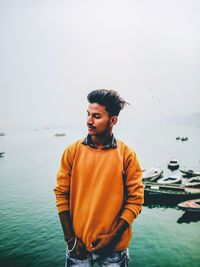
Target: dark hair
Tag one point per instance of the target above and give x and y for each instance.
(110, 99)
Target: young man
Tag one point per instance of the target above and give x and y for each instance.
(99, 189)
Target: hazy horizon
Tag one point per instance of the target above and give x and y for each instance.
(53, 53)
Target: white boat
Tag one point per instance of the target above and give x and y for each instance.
(192, 185)
(173, 179)
(59, 134)
(190, 173)
(192, 190)
(193, 182)
(190, 205)
(173, 164)
(151, 174)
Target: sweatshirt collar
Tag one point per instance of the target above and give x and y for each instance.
(112, 143)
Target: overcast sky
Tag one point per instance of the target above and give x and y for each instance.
(52, 53)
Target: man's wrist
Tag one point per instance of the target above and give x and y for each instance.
(122, 226)
(69, 238)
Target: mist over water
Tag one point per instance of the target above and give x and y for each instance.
(30, 230)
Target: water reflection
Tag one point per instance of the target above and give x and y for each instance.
(163, 202)
(188, 217)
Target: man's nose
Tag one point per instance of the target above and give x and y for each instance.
(90, 120)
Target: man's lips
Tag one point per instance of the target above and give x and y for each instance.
(91, 127)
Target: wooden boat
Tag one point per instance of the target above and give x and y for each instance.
(173, 164)
(168, 194)
(193, 182)
(172, 189)
(190, 205)
(190, 173)
(151, 174)
(173, 179)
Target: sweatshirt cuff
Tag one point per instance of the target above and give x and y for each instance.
(128, 216)
(62, 208)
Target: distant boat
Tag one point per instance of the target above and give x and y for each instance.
(190, 173)
(59, 134)
(1, 154)
(178, 138)
(173, 179)
(173, 164)
(184, 139)
(190, 205)
(2, 134)
(152, 174)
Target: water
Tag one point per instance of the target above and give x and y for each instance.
(30, 231)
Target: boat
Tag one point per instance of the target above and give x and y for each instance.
(172, 179)
(190, 173)
(1, 154)
(59, 134)
(151, 174)
(173, 164)
(184, 139)
(192, 182)
(178, 138)
(2, 134)
(190, 205)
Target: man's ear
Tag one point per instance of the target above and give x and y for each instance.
(113, 120)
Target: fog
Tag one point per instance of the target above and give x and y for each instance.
(53, 53)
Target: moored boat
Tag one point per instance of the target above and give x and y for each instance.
(190, 205)
(173, 164)
(152, 174)
(193, 182)
(190, 173)
(173, 179)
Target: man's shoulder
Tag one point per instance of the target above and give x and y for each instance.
(123, 146)
(75, 145)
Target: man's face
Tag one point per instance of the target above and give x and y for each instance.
(98, 120)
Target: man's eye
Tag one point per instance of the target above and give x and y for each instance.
(97, 117)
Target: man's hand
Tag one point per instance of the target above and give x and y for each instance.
(102, 241)
(79, 252)
(105, 243)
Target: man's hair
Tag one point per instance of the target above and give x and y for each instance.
(110, 99)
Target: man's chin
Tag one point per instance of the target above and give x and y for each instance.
(91, 133)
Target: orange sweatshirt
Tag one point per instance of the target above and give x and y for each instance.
(90, 184)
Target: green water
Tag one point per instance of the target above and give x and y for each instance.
(30, 231)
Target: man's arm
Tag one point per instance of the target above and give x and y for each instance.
(66, 225)
(79, 250)
(134, 193)
(62, 202)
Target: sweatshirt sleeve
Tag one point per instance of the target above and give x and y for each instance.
(134, 189)
(62, 188)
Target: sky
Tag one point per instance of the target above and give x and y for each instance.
(53, 53)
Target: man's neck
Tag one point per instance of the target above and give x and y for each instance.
(101, 141)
